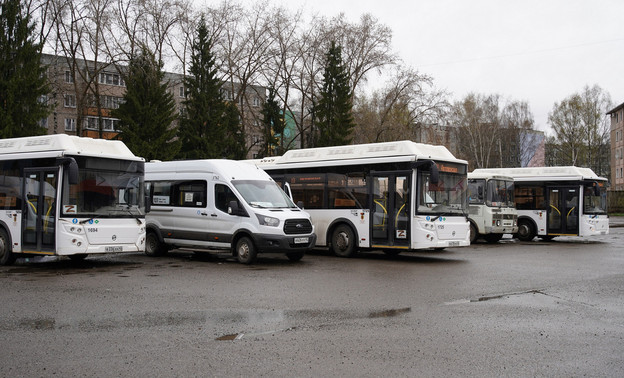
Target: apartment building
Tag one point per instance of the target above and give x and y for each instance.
(85, 92)
(617, 147)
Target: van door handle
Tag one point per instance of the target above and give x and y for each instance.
(213, 215)
(204, 214)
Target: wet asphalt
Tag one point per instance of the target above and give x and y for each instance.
(506, 309)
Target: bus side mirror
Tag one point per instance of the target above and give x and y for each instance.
(434, 173)
(72, 169)
(596, 189)
(148, 204)
(233, 208)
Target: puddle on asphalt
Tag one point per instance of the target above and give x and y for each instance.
(389, 313)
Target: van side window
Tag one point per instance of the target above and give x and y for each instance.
(180, 193)
(191, 194)
(223, 196)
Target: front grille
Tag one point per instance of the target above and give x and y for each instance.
(297, 226)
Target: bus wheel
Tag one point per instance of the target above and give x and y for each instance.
(493, 238)
(6, 256)
(295, 256)
(153, 246)
(78, 257)
(526, 231)
(343, 241)
(474, 233)
(245, 251)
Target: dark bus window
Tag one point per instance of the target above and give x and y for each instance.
(530, 197)
(308, 188)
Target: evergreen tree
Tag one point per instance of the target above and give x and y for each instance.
(210, 127)
(273, 125)
(333, 113)
(148, 111)
(22, 77)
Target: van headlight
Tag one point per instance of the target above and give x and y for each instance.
(268, 221)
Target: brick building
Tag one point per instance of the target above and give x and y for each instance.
(617, 147)
(85, 92)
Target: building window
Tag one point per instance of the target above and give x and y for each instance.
(70, 101)
(70, 124)
(182, 94)
(111, 102)
(256, 101)
(111, 79)
(69, 78)
(108, 124)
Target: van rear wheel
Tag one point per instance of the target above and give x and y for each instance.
(246, 251)
(153, 246)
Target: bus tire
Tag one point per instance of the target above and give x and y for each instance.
(493, 238)
(153, 246)
(343, 241)
(526, 230)
(6, 255)
(295, 256)
(246, 251)
(474, 233)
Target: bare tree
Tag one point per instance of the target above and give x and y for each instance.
(517, 143)
(399, 110)
(478, 121)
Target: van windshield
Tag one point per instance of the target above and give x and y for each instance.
(263, 194)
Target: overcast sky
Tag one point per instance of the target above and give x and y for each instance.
(540, 51)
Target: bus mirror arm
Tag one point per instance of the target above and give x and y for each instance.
(148, 204)
(596, 189)
(72, 169)
(434, 173)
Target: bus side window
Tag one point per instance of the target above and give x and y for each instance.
(223, 196)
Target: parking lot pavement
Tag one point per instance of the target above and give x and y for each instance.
(616, 221)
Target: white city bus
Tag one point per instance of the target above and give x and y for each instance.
(558, 201)
(491, 208)
(395, 196)
(69, 196)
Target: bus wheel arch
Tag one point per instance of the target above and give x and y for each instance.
(7, 257)
(527, 229)
(342, 238)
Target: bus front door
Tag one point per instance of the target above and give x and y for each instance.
(390, 220)
(39, 211)
(563, 212)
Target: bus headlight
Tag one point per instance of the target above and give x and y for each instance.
(268, 221)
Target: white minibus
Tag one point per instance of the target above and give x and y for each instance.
(491, 207)
(558, 201)
(222, 204)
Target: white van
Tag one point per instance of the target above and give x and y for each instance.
(222, 204)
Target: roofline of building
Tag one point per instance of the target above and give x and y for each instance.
(616, 108)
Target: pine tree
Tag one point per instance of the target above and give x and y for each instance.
(333, 113)
(210, 127)
(273, 125)
(148, 111)
(22, 77)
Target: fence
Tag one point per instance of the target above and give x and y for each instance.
(616, 201)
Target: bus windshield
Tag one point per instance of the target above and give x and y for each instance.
(106, 188)
(500, 193)
(595, 201)
(263, 194)
(448, 196)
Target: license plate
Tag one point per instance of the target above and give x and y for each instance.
(117, 248)
(301, 240)
(453, 244)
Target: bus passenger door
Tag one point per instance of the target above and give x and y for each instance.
(39, 210)
(390, 207)
(563, 211)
